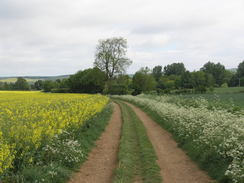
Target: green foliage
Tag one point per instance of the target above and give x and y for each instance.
(60, 90)
(143, 82)
(137, 158)
(224, 85)
(48, 85)
(177, 80)
(240, 70)
(87, 81)
(157, 72)
(186, 83)
(217, 70)
(186, 80)
(38, 85)
(201, 81)
(241, 81)
(228, 75)
(166, 83)
(21, 84)
(174, 69)
(118, 85)
(116, 89)
(64, 83)
(6, 86)
(35, 83)
(234, 81)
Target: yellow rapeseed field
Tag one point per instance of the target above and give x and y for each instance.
(27, 119)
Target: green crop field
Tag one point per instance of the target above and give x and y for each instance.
(231, 95)
(229, 90)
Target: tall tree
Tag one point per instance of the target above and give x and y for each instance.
(240, 70)
(111, 57)
(186, 80)
(217, 70)
(48, 85)
(202, 81)
(157, 72)
(142, 82)
(174, 69)
(38, 85)
(234, 81)
(21, 84)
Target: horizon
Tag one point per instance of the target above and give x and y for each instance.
(23, 76)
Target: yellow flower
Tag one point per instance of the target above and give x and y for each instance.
(27, 119)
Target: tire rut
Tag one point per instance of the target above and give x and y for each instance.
(176, 166)
(102, 160)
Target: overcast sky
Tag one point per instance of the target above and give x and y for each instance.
(53, 37)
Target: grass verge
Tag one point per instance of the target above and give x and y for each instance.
(56, 161)
(137, 159)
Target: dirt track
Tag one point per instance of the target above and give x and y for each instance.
(102, 160)
(176, 167)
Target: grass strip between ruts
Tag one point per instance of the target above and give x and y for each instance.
(137, 159)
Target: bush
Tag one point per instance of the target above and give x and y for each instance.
(224, 85)
(116, 89)
(60, 90)
(87, 81)
(48, 85)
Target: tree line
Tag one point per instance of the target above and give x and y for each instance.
(174, 78)
(108, 76)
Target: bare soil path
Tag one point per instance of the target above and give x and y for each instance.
(102, 160)
(176, 166)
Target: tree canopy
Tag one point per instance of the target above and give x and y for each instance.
(240, 70)
(174, 69)
(110, 56)
(142, 82)
(217, 70)
(88, 81)
(21, 84)
(157, 72)
(38, 85)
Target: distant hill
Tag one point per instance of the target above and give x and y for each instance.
(32, 79)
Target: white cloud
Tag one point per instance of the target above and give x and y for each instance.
(43, 37)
